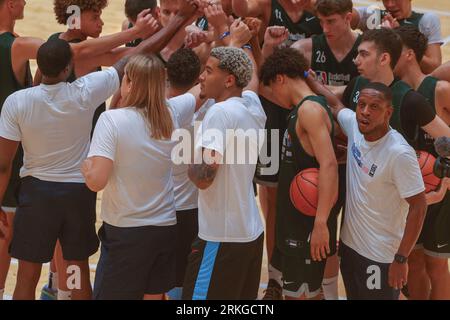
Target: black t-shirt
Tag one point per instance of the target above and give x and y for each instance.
(415, 111)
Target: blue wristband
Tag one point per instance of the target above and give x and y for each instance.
(224, 35)
(247, 46)
(305, 74)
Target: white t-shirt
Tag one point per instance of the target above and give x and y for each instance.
(140, 189)
(429, 24)
(227, 209)
(54, 123)
(380, 176)
(186, 193)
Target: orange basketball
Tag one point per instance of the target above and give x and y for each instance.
(304, 191)
(426, 163)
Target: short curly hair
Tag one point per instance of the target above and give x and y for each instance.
(413, 39)
(183, 68)
(236, 62)
(284, 61)
(60, 7)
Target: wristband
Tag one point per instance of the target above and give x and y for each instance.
(305, 74)
(224, 35)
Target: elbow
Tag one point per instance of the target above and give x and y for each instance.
(94, 184)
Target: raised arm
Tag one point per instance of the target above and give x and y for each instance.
(432, 58)
(333, 101)
(93, 47)
(249, 8)
(159, 40)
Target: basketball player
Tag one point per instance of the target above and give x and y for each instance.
(428, 263)
(300, 24)
(303, 242)
(400, 12)
(183, 70)
(330, 56)
(225, 262)
(378, 55)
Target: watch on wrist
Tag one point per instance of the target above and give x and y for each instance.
(400, 259)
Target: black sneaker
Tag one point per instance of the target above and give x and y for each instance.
(273, 291)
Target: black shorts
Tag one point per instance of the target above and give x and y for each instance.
(267, 172)
(301, 275)
(223, 271)
(434, 238)
(11, 193)
(187, 228)
(135, 261)
(51, 211)
(365, 279)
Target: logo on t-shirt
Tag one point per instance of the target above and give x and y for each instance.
(358, 158)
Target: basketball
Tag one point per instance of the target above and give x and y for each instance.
(426, 163)
(304, 191)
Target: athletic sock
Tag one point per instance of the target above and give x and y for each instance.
(53, 281)
(64, 295)
(275, 275)
(2, 292)
(330, 288)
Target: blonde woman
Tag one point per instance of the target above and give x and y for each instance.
(130, 158)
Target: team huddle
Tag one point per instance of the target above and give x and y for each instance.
(335, 113)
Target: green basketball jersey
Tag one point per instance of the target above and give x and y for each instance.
(328, 69)
(8, 81)
(399, 90)
(9, 85)
(292, 227)
(305, 28)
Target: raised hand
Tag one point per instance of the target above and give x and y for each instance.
(196, 38)
(240, 34)
(216, 17)
(254, 24)
(146, 24)
(275, 36)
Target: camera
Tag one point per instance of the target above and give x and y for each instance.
(442, 165)
(442, 168)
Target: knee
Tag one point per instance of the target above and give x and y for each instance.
(437, 269)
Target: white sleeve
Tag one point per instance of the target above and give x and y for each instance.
(9, 124)
(97, 87)
(346, 118)
(430, 26)
(253, 102)
(104, 140)
(406, 174)
(183, 108)
(214, 128)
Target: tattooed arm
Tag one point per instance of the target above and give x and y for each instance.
(202, 175)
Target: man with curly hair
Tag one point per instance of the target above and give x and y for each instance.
(303, 242)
